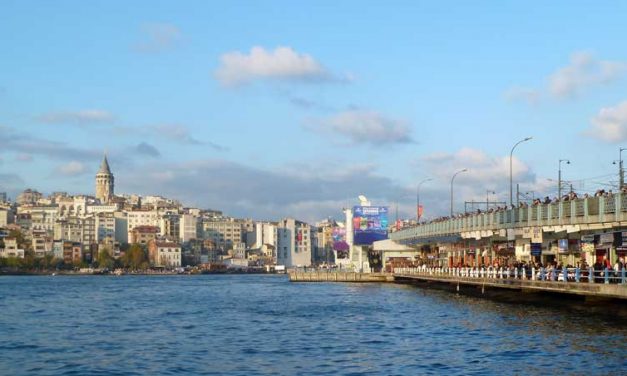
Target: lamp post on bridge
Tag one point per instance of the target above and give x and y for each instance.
(453, 179)
(487, 198)
(559, 178)
(511, 153)
(418, 199)
(621, 171)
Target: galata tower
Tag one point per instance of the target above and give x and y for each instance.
(104, 182)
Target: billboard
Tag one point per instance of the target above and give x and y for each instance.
(370, 223)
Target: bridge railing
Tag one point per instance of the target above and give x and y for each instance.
(579, 211)
(564, 275)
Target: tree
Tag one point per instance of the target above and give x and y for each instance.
(105, 260)
(135, 257)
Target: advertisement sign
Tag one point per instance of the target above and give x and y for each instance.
(607, 238)
(370, 223)
(562, 245)
(339, 242)
(536, 235)
(536, 249)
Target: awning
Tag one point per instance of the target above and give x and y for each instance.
(390, 245)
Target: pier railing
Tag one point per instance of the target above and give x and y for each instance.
(564, 275)
(603, 209)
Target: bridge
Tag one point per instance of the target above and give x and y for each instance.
(578, 215)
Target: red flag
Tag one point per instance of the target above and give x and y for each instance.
(420, 210)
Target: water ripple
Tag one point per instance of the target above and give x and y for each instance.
(263, 325)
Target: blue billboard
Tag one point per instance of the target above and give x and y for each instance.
(370, 223)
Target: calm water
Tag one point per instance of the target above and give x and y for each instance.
(250, 325)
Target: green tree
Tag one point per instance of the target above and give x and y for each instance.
(135, 257)
(105, 260)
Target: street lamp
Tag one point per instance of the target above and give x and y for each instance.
(559, 178)
(418, 199)
(487, 198)
(621, 172)
(453, 179)
(511, 189)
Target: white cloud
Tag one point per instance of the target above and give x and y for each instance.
(583, 72)
(365, 127)
(158, 37)
(248, 191)
(610, 124)
(282, 63)
(82, 117)
(73, 168)
(485, 173)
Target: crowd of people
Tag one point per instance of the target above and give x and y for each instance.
(550, 271)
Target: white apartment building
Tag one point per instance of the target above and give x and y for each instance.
(224, 233)
(188, 227)
(105, 227)
(142, 218)
(295, 242)
(165, 254)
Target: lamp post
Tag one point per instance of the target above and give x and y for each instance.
(621, 172)
(418, 199)
(559, 178)
(487, 198)
(453, 179)
(511, 153)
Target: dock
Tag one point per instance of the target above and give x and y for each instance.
(457, 280)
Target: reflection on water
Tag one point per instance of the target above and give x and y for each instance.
(251, 325)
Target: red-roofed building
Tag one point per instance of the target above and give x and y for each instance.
(144, 234)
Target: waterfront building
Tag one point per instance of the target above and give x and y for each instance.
(164, 254)
(105, 182)
(294, 243)
(224, 233)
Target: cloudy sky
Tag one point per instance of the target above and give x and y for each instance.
(293, 108)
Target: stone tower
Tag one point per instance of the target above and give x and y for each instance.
(104, 182)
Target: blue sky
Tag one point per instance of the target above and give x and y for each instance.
(272, 109)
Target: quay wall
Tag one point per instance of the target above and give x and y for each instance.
(324, 276)
(589, 291)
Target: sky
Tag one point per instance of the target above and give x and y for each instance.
(271, 109)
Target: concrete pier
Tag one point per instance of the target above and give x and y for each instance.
(589, 291)
(332, 276)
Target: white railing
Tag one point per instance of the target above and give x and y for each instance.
(567, 275)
